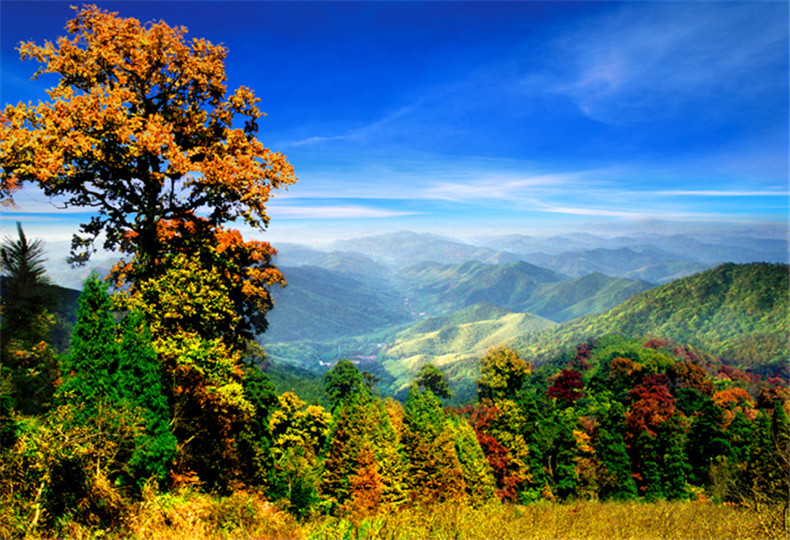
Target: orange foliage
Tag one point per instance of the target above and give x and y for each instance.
(732, 401)
(691, 375)
(141, 128)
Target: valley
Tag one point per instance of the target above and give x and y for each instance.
(392, 303)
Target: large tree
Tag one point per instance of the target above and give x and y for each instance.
(141, 128)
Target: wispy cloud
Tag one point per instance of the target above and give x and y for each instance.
(722, 193)
(611, 213)
(333, 212)
(647, 59)
(496, 187)
(359, 133)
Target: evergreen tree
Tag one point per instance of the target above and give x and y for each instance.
(434, 471)
(255, 440)
(566, 481)
(345, 440)
(617, 482)
(93, 354)
(648, 466)
(674, 463)
(433, 379)
(28, 364)
(534, 436)
(707, 441)
(478, 476)
(138, 381)
(342, 381)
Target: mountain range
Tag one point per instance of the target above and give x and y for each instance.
(393, 302)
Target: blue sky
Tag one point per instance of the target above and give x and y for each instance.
(470, 117)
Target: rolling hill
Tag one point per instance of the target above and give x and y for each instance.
(320, 304)
(407, 248)
(737, 311)
(518, 287)
(454, 343)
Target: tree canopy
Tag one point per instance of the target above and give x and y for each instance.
(142, 128)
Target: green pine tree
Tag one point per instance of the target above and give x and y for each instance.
(618, 483)
(28, 364)
(478, 476)
(434, 470)
(675, 467)
(93, 354)
(138, 382)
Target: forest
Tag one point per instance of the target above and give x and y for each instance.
(148, 411)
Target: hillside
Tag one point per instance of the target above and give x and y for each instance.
(443, 288)
(406, 248)
(593, 293)
(454, 343)
(517, 287)
(321, 304)
(737, 311)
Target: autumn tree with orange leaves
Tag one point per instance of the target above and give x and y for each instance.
(142, 129)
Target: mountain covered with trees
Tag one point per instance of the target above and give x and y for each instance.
(737, 311)
(150, 410)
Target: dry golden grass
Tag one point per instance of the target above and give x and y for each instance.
(583, 520)
(197, 516)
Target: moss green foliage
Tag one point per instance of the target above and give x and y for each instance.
(342, 382)
(432, 378)
(114, 366)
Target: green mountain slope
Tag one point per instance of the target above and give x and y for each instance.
(517, 287)
(319, 304)
(454, 343)
(737, 311)
(444, 288)
(593, 293)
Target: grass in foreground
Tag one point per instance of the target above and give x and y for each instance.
(196, 516)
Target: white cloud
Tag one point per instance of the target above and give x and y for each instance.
(723, 193)
(506, 188)
(332, 212)
(649, 58)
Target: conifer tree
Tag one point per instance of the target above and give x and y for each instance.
(566, 480)
(366, 487)
(361, 424)
(342, 381)
(617, 483)
(138, 380)
(674, 463)
(345, 438)
(434, 471)
(478, 476)
(434, 379)
(254, 441)
(93, 354)
(706, 441)
(648, 467)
